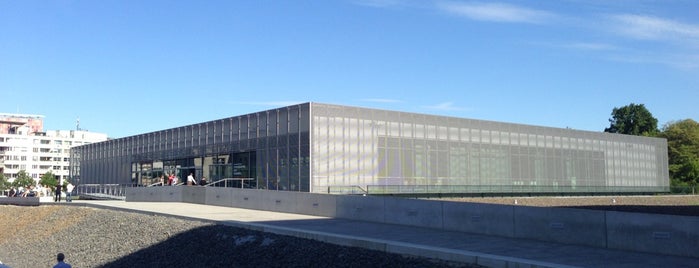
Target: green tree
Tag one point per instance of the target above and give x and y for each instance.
(23, 179)
(683, 151)
(4, 184)
(48, 179)
(633, 119)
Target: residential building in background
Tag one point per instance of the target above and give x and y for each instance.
(324, 148)
(13, 123)
(25, 146)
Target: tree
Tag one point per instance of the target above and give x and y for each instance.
(4, 184)
(48, 179)
(683, 151)
(23, 179)
(633, 119)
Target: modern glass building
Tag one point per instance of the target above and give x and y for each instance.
(323, 148)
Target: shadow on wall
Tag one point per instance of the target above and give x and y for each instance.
(667, 210)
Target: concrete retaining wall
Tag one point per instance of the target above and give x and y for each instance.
(251, 199)
(218, 197)
(155, 194)
(488, 219)
(663, 234)
(316, 204)
(195, 195)
(563, 225)
(20, 201)
(281, 201)
(414, 212)
(363, 208)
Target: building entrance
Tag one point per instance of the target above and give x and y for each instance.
(241, 166)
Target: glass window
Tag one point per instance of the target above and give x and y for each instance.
(475, 135)
(419, 131)
(406, 130)
(431, 132)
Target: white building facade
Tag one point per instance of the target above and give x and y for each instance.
(23, 148)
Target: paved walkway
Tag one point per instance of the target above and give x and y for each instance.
(485, 250)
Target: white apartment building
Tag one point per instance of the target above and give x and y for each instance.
(24, 146)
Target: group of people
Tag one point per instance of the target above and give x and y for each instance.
(69, 191)
(28, 191)
(172, 179)
(33, 191)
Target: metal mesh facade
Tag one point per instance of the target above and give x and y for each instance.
(338, 149)
(381, 151)
(271, 147)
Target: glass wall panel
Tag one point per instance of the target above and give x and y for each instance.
(283, 124)
(262, 125)
(293, 120)
(238, 147)
(410, 151)
(284, 182)
(323, 148)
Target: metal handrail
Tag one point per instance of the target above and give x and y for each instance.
(350, 189)
(495, 189)
(156, 184)
(226, 180)
(117, 190)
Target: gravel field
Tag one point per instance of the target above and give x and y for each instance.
(32, 236)
(90, 237)
(686, 205)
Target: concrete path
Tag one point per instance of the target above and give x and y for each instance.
(489, 251)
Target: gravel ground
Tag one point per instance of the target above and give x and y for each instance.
(686, 205)
(90, 237)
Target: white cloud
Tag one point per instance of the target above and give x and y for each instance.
(688, 62)
(496, 12)
(654, 28)
(676, 60)
(446, 106)
(591, 46)
(583, 46)
(679, 41)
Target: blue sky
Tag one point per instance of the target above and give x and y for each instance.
(129, 67)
